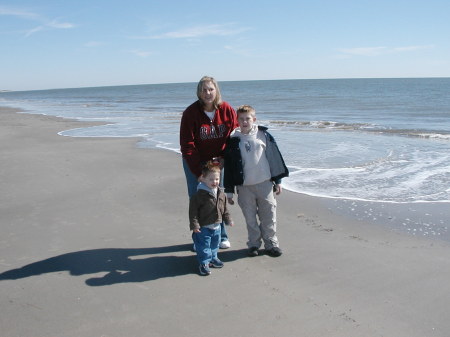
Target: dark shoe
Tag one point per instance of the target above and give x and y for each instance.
(204, 270)
(274, 251)
(253, 251)
(216, 263)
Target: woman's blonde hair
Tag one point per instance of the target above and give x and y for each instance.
(205, 79)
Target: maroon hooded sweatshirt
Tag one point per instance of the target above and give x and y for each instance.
(202, 139)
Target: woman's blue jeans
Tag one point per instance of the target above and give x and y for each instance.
(192, 183)
(206, 244)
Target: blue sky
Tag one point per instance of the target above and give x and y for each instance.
(66, 44)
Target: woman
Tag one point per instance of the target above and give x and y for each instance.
(204, 129)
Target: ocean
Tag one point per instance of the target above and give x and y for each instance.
(377, 149)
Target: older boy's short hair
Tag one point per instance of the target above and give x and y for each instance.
(246, 109)
(210, 167)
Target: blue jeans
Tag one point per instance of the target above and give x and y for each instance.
(206, 244)
(192, 183)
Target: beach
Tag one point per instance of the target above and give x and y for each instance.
(95, 242)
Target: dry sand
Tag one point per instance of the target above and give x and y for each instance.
(94, 241)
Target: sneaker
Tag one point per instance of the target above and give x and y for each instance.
(216, 263)
(253, 251)
(274, 251)
(225, 244)
(204, 270)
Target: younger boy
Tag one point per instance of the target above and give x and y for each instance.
(207, 210)
(254, 165)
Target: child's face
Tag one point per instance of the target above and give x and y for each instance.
(211, 180)
(246, 121)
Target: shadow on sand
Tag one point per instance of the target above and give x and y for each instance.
(120, 264)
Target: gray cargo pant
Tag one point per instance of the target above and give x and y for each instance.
(258, 201)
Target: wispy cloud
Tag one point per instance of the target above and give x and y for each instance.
(27, 15)
(93, 44)
(363, 51)
(375, 51)
(412, 48)
(198, 32)
(60, 25)
(50, 25)
(34, 30)
(141, 53)
(10, 11)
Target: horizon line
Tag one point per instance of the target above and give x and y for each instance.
(221, 81)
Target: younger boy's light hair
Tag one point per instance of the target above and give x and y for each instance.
(246, 109)
(210, 167)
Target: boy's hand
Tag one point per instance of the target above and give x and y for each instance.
(277, 189)
(196, 230)
(230, 201)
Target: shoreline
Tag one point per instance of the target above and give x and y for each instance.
(95, 241)
(426, 219)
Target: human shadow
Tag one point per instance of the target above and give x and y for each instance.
(121, 265)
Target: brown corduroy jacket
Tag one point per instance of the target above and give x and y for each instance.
(205, 209)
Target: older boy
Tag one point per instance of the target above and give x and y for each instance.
(255, 167)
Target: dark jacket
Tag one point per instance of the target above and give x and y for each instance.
(205, 209)
(233, 167)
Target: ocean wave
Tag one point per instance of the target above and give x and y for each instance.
(321, 124)
(425, 135)
(395, 177)
(321, 194)
(362, 127)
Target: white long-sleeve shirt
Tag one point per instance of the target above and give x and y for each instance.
(253, 146)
